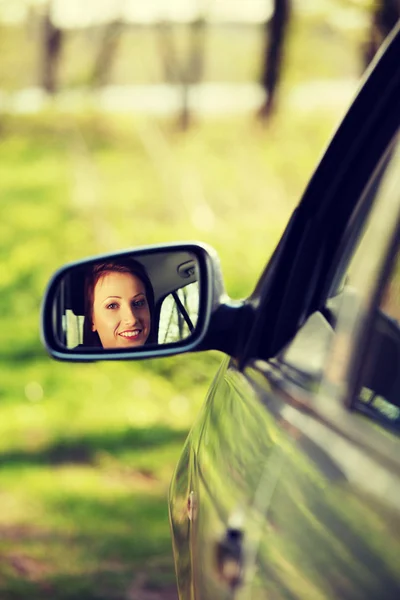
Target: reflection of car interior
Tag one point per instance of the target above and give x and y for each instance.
(174, 276)
(305, 357)
(353, 275)
(381, 372)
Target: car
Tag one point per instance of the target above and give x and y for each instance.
(288, 484)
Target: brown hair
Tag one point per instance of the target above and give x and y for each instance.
(96, 272)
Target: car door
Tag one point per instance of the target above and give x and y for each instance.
(286, 488)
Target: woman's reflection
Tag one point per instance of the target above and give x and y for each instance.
(119, 306)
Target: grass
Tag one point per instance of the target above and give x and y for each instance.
(96, 511)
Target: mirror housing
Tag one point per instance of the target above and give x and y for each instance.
(170, 268)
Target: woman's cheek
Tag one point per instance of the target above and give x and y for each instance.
(109, 320)
(114, 320)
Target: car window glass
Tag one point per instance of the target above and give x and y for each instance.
(358, 265)
(379, 390)
(179, 313)
(73, 328)
(366, 344)
(367, 238)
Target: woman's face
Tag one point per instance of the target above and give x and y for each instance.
(121, 315)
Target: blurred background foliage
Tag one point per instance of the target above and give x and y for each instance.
(234, 109)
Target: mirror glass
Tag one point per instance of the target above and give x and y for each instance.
(128, 301)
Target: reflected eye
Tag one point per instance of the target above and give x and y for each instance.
(139, 303)
(112, 305)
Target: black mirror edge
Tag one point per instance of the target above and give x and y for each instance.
(210, 333)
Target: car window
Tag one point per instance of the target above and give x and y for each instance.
(366, 241)
(351, 283)
(365, 349)
(179, 313)
(72, 327)
(378, 394)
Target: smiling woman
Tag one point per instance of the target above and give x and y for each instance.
(128, 303)
(119, 305)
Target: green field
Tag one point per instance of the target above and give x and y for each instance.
(87, 451)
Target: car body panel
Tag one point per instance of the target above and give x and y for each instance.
(316, 501)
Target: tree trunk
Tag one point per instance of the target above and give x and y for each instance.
(52, 38)
(193, 73)
(385, 16)
(275, 37)
(106, 56)
(167, 49)
(184, 74)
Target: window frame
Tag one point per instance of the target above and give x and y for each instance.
(172, 293)
(293, 285)
(356, 227)
(313, 343)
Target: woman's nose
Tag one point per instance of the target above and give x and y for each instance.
(129, 316)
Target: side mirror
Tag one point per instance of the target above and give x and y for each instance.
(152, 301)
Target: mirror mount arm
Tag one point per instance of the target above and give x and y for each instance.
(229, 323)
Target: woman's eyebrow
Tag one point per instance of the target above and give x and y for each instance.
(120, 297)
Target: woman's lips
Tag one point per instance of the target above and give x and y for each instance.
(131, 334)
